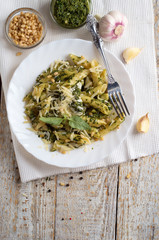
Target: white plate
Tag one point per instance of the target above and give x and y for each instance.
(22, 82)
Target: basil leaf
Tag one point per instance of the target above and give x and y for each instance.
(51, 120)
(79, 123)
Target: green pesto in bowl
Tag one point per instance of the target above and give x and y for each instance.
(70, 13)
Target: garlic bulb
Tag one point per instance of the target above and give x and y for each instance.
(130, 53)
(112, 26)
(143, 124)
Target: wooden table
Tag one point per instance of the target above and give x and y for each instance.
(118, 202)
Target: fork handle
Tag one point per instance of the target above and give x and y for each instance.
(92, 26)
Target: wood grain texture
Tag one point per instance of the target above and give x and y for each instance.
(27, 211)
(138, 200)
(86, 209)
(0, 88)
(35, 210)
(107, 204)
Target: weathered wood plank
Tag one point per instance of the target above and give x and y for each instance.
(0, 88)
(138, 200)
(27, 211)
(86, 209)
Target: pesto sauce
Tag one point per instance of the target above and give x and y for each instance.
(71, 13)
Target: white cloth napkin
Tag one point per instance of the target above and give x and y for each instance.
(142, 70)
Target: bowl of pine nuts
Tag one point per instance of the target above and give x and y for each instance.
(25, 28)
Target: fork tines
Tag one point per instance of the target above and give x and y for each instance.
(114, 90)
(118, 103)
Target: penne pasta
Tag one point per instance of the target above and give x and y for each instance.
(99, 90)
(69, 106)
(96, 104)
(78, 77)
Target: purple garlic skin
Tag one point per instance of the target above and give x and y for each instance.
(112, 26)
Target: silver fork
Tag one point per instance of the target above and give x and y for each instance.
(114, 90)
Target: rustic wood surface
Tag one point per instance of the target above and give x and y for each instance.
(119, 202)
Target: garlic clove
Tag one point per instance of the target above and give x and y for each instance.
(98, 17)
(117, 15)
(130, 53)
(106, 23)
(112, 26)
(143, 123)
(118, 30)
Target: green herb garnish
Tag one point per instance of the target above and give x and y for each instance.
(79, 123)
(52, 120)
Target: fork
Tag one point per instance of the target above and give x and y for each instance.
(114, 90)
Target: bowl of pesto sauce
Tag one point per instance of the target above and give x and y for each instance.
(70, 13)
